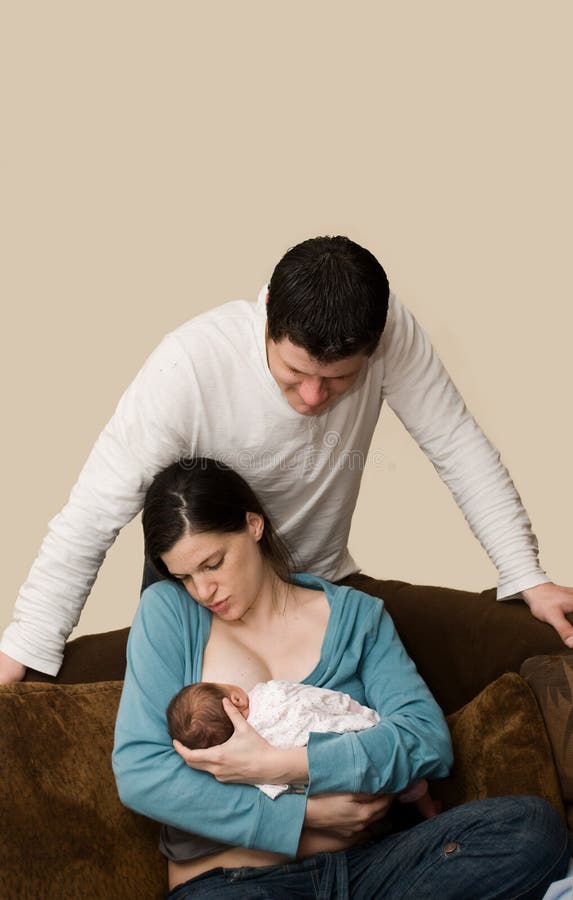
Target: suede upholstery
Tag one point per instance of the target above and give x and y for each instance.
(64, 831)
(461, 641)
(501, 747)
(551, 679)
(65, 834)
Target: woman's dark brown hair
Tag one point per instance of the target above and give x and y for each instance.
(198, 495)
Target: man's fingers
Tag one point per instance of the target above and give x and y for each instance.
(562, 626)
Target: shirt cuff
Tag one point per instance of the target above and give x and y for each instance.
(26, 657)
(280, 823)
(330, 763)
(509, 590)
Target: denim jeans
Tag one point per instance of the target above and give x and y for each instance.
(506, 847)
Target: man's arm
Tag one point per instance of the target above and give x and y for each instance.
(146, 432)
(423, 396)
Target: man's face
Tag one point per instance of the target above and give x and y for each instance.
(311, 386)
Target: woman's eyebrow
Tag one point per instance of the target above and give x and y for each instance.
(200, 566)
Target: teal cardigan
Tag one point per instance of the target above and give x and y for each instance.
(361, 655)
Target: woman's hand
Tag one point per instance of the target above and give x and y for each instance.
(313, 840)
(246, 757)
(345, 815)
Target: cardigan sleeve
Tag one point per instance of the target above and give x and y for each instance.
(151, 777)
(419, 390)
(412, 739)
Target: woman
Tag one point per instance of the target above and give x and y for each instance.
(229, 612)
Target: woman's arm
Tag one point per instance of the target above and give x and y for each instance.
(412, 739)
(151, 777)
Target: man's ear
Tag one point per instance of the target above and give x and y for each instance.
(255, 524)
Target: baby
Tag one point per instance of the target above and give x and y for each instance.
(282, 712)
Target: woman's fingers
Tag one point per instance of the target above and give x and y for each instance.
(240, 759)
(198, 759)
(235, 715)
(346, 813)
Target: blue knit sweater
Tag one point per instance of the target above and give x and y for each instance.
(361, 655)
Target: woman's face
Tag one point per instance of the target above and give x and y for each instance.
(223, 572)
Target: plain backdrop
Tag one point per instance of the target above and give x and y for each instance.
(157, 159)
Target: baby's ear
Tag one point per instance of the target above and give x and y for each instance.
(237, 699)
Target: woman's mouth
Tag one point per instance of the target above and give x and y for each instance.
(220, 606)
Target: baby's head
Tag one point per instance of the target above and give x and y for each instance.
(196, 717)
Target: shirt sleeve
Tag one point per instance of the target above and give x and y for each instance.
(147, 432)
(419, 390)
(412, 739)
(151, 777)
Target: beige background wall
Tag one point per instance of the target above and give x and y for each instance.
(159, 158)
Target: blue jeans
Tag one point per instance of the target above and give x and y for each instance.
(505, 847)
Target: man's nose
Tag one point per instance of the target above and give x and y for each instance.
(313, 391)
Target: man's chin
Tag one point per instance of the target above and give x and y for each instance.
(304, 410)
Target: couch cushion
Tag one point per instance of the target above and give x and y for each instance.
(64, 832)
(551, 678)
(501, 747)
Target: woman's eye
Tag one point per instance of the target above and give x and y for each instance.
(214, 566)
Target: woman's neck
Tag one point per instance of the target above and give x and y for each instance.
(271, 602)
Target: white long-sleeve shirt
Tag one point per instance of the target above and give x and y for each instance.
(207, 390)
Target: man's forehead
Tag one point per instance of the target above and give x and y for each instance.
(299, 359)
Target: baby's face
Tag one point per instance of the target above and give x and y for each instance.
(238, 697)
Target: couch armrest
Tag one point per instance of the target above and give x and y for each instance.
(90, 658)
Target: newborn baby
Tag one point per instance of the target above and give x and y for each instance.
(282, 712)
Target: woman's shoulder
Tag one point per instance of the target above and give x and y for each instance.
(345, 601)
(168, 599)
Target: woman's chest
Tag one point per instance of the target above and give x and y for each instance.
(287, 653)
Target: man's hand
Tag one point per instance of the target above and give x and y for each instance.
(345, 815)
(10, 670)
(246, 757)
(549, 603)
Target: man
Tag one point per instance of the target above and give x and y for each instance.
(287, 391)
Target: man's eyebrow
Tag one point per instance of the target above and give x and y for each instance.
(326, 377)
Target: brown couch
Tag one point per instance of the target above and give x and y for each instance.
(65, 833)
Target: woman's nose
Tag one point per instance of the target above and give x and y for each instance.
(204, 586)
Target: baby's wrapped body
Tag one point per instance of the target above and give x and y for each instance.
(285, 713)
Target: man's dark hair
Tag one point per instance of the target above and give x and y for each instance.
(329, 296)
